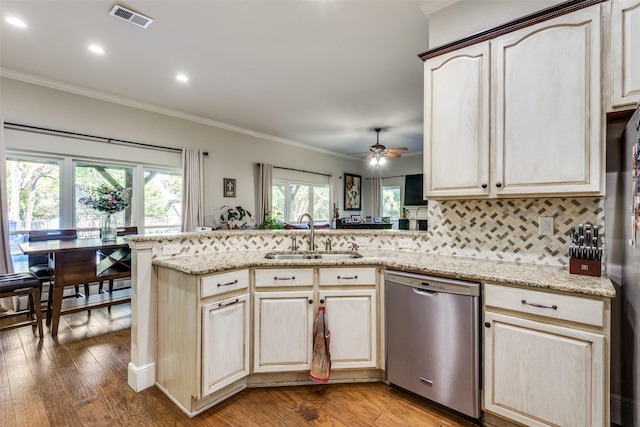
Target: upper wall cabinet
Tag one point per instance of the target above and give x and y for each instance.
(547, 124)
(625, 49)
(517, 114)
(456, 123)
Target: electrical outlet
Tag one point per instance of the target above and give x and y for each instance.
(405, 244)
(546, 227)
(171, 249)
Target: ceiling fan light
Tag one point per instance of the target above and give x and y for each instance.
(373, 161)
(382, 161)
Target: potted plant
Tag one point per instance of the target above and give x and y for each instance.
(272, 221)
(232, 217)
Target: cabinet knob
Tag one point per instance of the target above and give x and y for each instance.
(484, 185)
(310, 301)
(487, 324)
(498, 184)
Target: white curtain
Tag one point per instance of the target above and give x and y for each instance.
(376, 196)
(265, 177)
(6, 266)
(192, 189)
(334, 185)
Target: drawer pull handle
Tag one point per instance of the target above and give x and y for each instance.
(229, 303)
(553, 307)
(347, 277)
(284, 278)
(228, 284)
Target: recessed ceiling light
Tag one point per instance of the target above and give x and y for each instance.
(182, 77)
(15, 21)
(96, 49)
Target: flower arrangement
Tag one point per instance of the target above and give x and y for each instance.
(107, 199)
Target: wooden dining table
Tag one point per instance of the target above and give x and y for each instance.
(80, 261)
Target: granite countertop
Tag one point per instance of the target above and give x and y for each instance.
(500, 272)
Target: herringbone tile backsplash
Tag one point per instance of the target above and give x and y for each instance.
(508, 229)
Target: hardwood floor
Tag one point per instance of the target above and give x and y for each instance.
(80, 379)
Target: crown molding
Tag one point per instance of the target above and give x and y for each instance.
(103, 96)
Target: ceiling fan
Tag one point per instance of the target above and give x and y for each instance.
(378, 151)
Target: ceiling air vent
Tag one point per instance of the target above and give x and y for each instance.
(131, 16)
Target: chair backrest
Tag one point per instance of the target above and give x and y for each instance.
(125, 231)
(40, 235)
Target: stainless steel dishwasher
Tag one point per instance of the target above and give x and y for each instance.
(433, 338)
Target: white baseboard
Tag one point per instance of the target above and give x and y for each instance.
(141, 377)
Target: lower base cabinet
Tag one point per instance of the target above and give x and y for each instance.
(283, 329)
(351, 316)
(540, 369)
(225, 343)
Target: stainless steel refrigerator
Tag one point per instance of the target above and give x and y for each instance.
(622, 232)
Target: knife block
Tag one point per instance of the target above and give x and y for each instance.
(587, 267)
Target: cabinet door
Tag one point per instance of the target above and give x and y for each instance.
(456, 123)
(283, 323)
(225, 343)
(547, 108)
(540, 374)
(625, 47)
(352, 320)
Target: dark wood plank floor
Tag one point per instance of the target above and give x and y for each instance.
(80, 379)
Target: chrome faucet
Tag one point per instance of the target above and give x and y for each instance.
(327, 244)
(311, 238)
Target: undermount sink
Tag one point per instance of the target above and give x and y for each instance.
(312, 255)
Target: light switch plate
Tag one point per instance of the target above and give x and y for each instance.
(546, 227)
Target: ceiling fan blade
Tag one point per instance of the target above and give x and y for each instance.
(394, 155)
(394, 150)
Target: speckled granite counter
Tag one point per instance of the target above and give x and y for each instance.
(500, 272)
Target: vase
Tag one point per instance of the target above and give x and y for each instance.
(108, 229)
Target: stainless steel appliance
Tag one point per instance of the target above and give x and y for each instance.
(622, 232)
(433, 338)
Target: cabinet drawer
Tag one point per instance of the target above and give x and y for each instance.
(348, 276)
(284, 277)
(547, 304)
(224, 282)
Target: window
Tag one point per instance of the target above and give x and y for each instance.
(33, 191)
(43, 193)
(292, 199)
(391, 203)
(162, 201)
(89, 176)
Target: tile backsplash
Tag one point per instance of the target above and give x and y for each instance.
(498, 229)
(507, 229)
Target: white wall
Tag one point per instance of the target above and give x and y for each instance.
(231, 154)
(465, 18)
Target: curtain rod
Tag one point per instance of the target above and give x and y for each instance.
(388, 177)
(76, 135)
(301, 170)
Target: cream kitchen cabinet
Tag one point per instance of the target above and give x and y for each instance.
(545, 360)
(542, 118)
(283, 319)
(225, 342)
(203, 345)
(352, 315)
(283, 331)
(625, 45)
(456, 123)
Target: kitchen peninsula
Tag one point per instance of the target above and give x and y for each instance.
(206, 271)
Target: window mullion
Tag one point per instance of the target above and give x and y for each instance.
(67, 194)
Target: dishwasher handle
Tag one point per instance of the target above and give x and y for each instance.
(424, 291)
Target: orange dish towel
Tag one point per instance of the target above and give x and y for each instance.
(321, 365)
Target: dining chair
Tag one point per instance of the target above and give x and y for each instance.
(41, 265)
(17, 284)
(121, 231)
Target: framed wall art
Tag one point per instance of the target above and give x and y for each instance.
(229, 187)
(352, 192)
